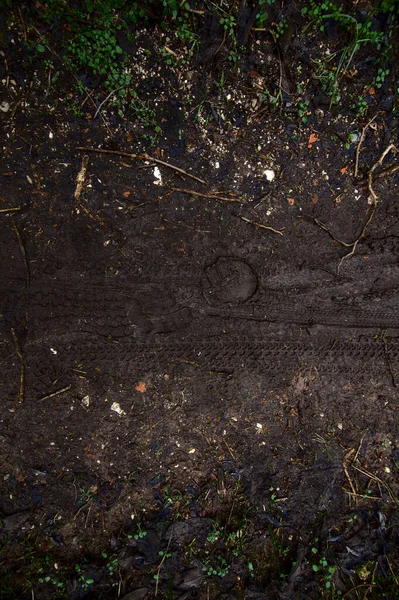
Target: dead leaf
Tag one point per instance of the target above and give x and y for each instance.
(124, 164)
(141, 387)
(315, 198)
(312, 139)
(372, 91)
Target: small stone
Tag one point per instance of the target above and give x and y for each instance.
(269, 174)
(115, 406)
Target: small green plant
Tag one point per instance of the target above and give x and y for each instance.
(112, 566)
(263, 15)
(379, 79)
(303, 110)
(325, 571)
(83, 579)
(360, 106)
(141, 532)
(280, 27)
(217, 566)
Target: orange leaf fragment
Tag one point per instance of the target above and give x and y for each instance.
(344, 169)
(312, 139)
(141, 387)
(126, 194)
(291, 201)
(372, 91)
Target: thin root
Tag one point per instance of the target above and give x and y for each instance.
(261, 226)
(144, 156)
(214, 196)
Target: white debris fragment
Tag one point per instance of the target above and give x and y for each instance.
(158, 177)
(115, 406)
(53, 351)
(29, 179)
(51, 135)
(5, 106)
(259, 426)
(269, 174)
(86, 401)
(191, 451)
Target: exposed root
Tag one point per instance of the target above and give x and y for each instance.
(261, 225)
(361, 142)
(144, 156)
(373, 196)
(213, 196)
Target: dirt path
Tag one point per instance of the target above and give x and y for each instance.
(195, 405)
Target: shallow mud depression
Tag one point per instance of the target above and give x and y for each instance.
(199, 358)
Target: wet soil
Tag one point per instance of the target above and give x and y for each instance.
(195, 405)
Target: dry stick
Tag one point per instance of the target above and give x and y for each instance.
(161, 563)
(348, 478)
(7, 210)
(260, 225)
(213, 196)
(107, 98)
(361, 142)
(22, 366)
(144, 156)
(81, 178)
(61, 391)
(378, 480)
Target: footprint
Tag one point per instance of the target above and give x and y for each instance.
(229, 279)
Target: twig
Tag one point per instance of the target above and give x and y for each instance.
(22, 366)
(61, 391)
(7, 210)
(260, 225)
(378, 480)
(80, 179)
(348, 478)
(364, 496)
(161, 563)
(107, 98)
(361, 142)
(214, 196)
(144, 156)
(80, 509)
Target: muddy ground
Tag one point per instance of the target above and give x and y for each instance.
(198, 380)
